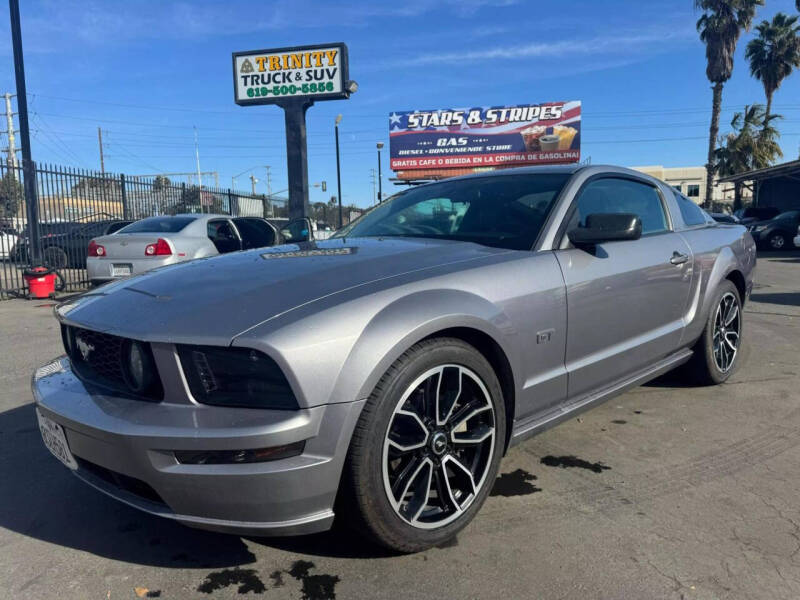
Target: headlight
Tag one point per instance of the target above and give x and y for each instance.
(236, 377)
(758, 228)
(138, 367)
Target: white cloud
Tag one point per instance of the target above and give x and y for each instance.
(600, 45)
(49, 22)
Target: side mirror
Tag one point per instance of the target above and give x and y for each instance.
(606, 227)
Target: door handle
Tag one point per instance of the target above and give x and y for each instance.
(678, 258)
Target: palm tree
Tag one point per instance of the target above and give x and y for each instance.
(720, 26)
(752, 144)
(774, 53)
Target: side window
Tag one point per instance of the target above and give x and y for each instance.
(690, 212)
(298, 230)
(612, 195)
(255, 233)
(222, 235)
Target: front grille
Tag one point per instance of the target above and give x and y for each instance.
(99, 358)
(100, 352)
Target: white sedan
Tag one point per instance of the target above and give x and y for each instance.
(165, 240)
(8, 239)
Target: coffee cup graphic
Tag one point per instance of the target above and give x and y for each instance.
(531, 137)
(549, 142)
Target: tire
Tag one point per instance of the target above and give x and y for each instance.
(55, 257)
(376, 465)
(778, 241)
(712, 364)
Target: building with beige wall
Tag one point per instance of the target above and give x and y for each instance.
(690, 181)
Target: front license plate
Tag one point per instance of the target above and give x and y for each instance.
(55, 440)
(121, 270)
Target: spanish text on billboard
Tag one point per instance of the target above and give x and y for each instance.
(486, 137)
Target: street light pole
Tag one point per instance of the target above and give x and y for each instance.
(380, 187)
(338, 174)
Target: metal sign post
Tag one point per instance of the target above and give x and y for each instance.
(293, 78)
(294, 113)
(28, 168)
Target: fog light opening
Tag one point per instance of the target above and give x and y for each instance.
(232, 457)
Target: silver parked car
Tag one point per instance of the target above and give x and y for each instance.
(392, 365)
(166, 240)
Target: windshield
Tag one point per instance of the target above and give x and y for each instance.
(500, 211)
(158, 225)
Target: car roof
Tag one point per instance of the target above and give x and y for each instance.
(531, 170)
(569, 169)
(200, 216)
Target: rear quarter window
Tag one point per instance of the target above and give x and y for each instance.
(690, 213)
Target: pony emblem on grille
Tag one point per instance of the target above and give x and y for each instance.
(84, 347)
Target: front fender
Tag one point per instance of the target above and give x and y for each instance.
(338, 354)
(406, 321)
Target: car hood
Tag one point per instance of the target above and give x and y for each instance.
(212, 300)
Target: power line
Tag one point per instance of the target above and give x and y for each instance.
(623, 113)
(57, 141)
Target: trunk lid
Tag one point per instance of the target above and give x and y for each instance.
(128, 246)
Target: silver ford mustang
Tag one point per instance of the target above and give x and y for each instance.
(383, 373)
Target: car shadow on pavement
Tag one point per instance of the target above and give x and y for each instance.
(40, 498)
(782, 298)
(340, 542)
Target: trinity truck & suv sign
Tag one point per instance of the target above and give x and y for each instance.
(269, 76)
(486, 137)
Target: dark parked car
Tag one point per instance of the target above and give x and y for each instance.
(756, 213)
(725, 218)
(69, 249)
(777, 233)
(64, 244)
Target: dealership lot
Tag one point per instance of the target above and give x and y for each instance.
(666, 492)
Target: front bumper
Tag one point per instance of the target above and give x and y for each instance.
(125, 448)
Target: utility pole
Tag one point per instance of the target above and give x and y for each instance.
(100, 142)
(269, 181)
(253, 182)
(28, 168)
(372, 181)
(197, 158)
(380, 186)
(12, 141)
(338, 172)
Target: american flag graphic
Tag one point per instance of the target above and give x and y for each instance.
(433, 139)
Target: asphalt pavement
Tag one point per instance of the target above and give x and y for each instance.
(668, 491)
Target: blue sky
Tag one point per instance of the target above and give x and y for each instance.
(148, 71)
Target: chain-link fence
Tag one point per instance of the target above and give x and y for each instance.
(77, 205)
